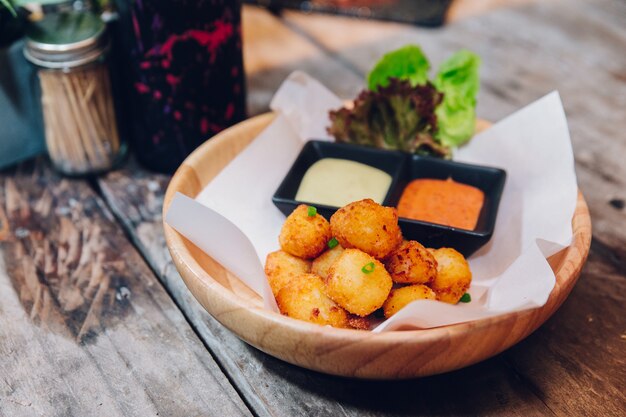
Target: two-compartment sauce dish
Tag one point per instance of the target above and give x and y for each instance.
(440, 203)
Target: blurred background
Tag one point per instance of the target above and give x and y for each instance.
(87, 81)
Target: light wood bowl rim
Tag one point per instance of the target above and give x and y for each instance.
(187, 181)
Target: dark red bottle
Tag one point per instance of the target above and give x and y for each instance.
(182, 70)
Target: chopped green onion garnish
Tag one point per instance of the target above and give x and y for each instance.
(466, 298)
(312, 211)
(368, 268)
(332, 243)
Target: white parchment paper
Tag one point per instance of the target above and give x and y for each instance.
(510, 273)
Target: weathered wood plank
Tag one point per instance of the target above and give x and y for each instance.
(581, 349)
(463, 9)
(85, 328)
(272, 51)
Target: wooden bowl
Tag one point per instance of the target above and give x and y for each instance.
(350, 353)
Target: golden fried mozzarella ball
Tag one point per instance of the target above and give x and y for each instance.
(321, 265)
(303, 298)
(360, 323)
(281, 267)
(358, 282)
(305, 233)
(411, 263)
(368, 226)
(453, 275)
(400, 297)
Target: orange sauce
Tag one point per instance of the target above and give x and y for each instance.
(444, 202)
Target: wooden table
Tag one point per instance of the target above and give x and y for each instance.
(94, 319)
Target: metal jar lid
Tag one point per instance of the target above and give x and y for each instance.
(66, 40)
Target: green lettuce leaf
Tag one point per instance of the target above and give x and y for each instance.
(407, 63)
(384, 119)
(458, 80)
(9, 6)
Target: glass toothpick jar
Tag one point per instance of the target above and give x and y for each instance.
(71, 53)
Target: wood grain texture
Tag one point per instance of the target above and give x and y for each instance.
(85, 329)
(272, 51)
(464, 9)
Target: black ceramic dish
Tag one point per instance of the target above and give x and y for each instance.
(390, 162)
(404, 168)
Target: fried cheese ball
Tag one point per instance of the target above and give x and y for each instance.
(358, 282)
(304, 298)
(321, 265)
(453, 275)
(368, 226)
(360, 323)
(411, 263)
(303, 235)
(281, 267)
(400, 297)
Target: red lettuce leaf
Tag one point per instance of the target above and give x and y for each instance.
(398, 116)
